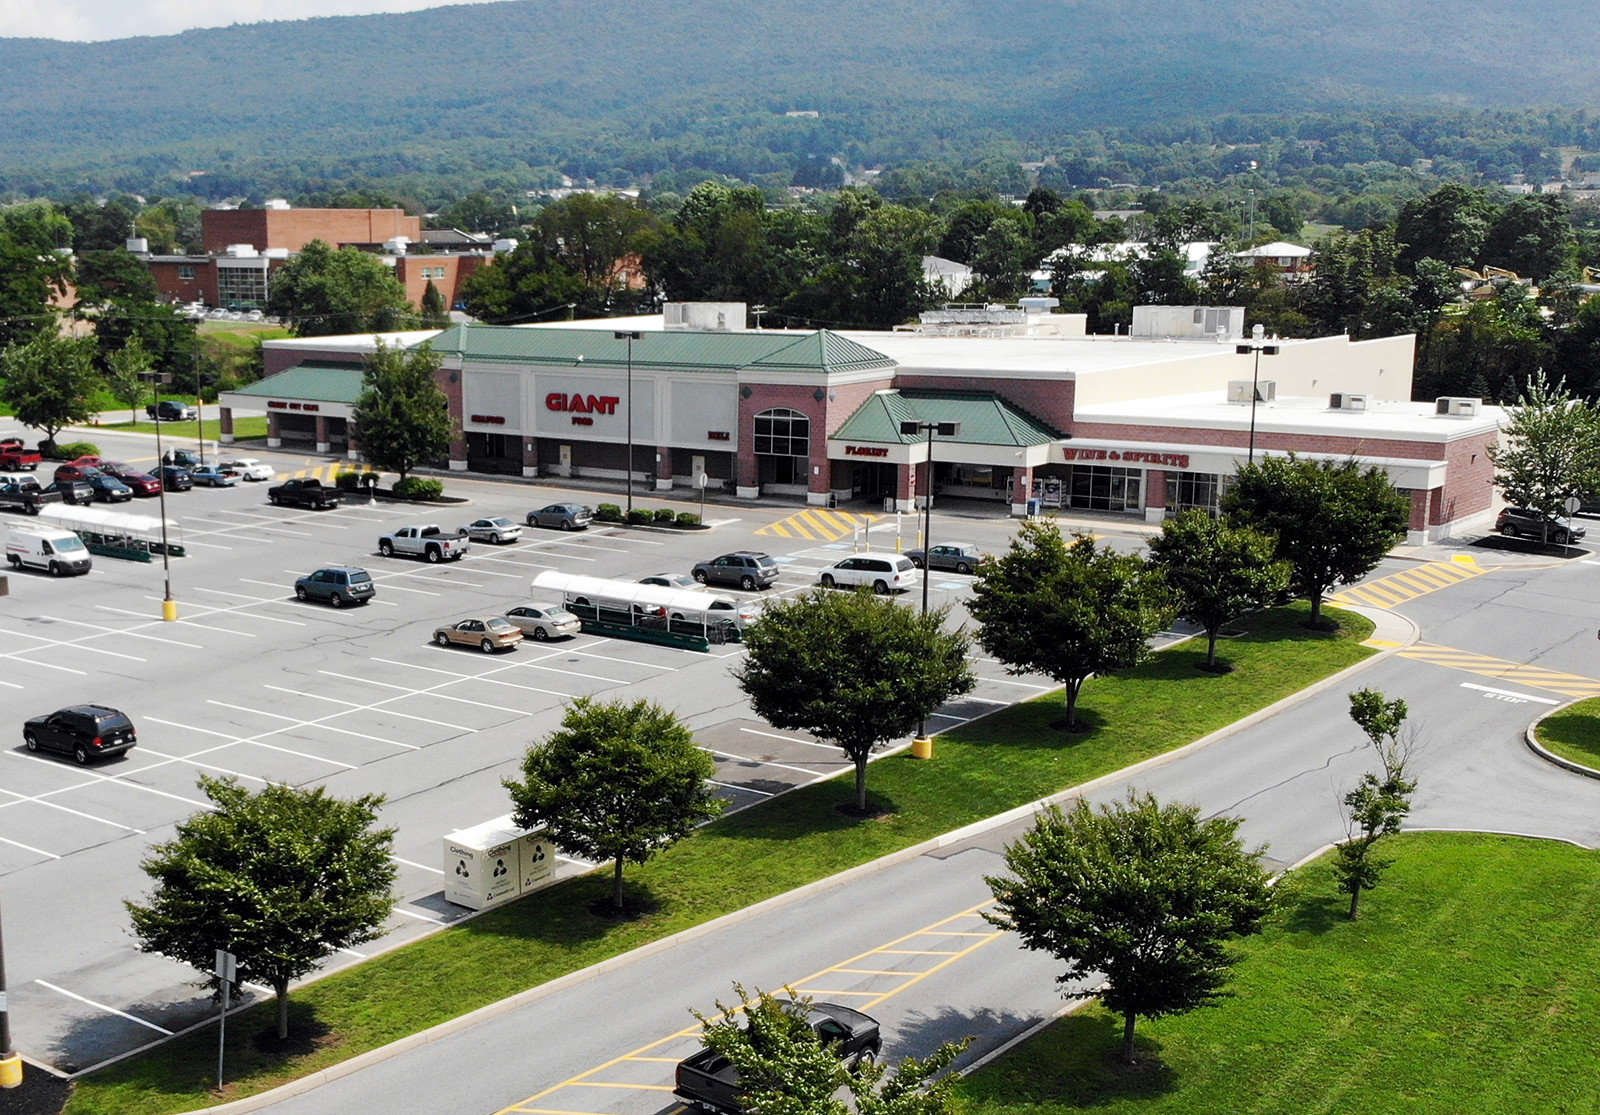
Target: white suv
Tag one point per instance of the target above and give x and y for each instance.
(883, 573)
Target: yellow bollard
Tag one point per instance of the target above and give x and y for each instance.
(169, 610)
(11, 1071)
(922, 747)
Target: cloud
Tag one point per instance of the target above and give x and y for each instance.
(99, 20)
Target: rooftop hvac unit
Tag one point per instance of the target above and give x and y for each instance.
(1239, 390)
(1455, 404)
(1347, 400)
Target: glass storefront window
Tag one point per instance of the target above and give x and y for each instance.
(782, 432)
(1099, 488)
(1187, 490)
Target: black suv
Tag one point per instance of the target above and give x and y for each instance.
(1519, 521)
(745, 568)
(83, 731)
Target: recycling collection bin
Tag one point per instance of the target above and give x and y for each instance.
(495, 862)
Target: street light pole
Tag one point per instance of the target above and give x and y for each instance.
(169, 606)
(629, 335)
(911, 429)
(10, 1062)
(1258, 346)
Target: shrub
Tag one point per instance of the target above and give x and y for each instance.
(68, 451)
(608, 513)
(639, 515)
(687, 519)
(664, 515)
(355, 480)
(418, 487)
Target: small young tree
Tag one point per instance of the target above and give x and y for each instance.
(127, 375)
(402, 418)
(1067, 611)
(280, 878)
(1145, 894)
(616, 781)
(434, 311)
(1378, 803)
(48, 381)
(1550, 451)
(785, 1069)
(1217, 572)
(1334, 521)
(852, 669)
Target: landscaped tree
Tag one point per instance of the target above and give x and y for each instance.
(281, 878)
(323, 290)
(853, 669)
(1378, 803)
(1549, 450)
(127, 376)
(32, 271)
(435, 314)
(617, 781)
(1217, 572)
(48, 381)
(1067, 610)
(402, 418)
(785, 1069)
(1147, 895)
(1334, 520)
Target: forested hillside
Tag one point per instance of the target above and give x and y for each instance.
(651, 85)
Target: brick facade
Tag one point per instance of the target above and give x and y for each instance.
(295, 228)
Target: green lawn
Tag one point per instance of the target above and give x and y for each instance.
(1573, 733)
(1467, 986)
(1006, 760)
(182, 433)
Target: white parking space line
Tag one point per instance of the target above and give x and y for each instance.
(102, 1006)
(418, 866)
(356, 706)
(1023, 684)
(190, 759)
(763, 762)
(62, 808)
(792, 739)
(419, 917)
(402, 588)
(568, 673)
(740, 789)
(321, 722)
(468, 584)
(486, 573)
(434, 692)
(95, 776)
(29, 848)
(623, 661)
(10, 685)
(124, 631)
(18, 656)
(254, 741)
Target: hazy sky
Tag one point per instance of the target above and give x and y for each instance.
(122, 19)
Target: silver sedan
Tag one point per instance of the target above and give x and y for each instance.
(497, 530)
(544, 621)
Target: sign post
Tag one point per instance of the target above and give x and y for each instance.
(227, 972)
(700, 482)
(1572, 504)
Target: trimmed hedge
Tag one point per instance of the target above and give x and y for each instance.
(640, 515)
(665, 515)
(686, 519)
(418, 487)
(608, 513)
(350, 480)
(68, 451)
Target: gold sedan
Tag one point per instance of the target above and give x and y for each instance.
(487, 633)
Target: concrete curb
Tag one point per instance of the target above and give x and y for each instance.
(1530, 737)
(945, 840)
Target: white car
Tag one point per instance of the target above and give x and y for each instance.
(544, 621)
(248, 468)
(497, 530)
(882, 573)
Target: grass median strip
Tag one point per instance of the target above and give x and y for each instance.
(1465, 986)
(1002, 761)
(1573, 733)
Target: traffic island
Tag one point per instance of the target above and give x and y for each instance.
(1569, 737)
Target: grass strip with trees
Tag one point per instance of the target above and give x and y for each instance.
(1573, 733)
(1463, 987)
(1002, 761)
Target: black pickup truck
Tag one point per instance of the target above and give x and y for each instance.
(708, 1082)
(303, 492)
(23, 493)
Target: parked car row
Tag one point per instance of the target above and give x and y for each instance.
(95, 479)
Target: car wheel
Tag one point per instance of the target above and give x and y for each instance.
(747, 582)
(1508, 530)
(881, 587)
(918, 563)
(273, 500)
(30, 741)
(963, 567)
(532, 520)
(33, 508)
(386, 549)
(487, 646)
(700, 575)
(434, 554)
(540, 635)
(16, 562)
(55, 569)
(566, 524)
(336, 600)
(495, 539)
(80, 754)
(827, 580)
(300, 592)
(865, 1059)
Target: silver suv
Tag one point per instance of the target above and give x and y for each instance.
(745, 568)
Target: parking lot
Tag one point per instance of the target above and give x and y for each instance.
(251, 683)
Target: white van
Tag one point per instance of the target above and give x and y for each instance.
(883, 573)
(59, 551)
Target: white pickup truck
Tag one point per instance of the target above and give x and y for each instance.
(425, 542)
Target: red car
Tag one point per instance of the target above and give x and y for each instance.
(142, 483)
(81, 469)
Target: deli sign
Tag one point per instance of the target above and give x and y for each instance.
(581, 406)
(1134, 456)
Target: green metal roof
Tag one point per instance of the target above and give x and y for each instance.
(816, 353)
(986, 419)
(322, 383)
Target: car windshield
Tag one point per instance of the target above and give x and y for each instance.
(68, 544)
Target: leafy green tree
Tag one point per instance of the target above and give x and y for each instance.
(128, 376)
(281, 878)
(1378, 803)
(1334, 520)
(479, 212)
(434, 312)
(785, 1069)
(1217, 572)
(1349, 289)
(1489, 348)
(1532, 236)
(32, 271)
(1550, 449)
(323, 291)
(116, 293)
(617, 781)
(102, 225)
(402, 418)
(48, 381)
(1066, 610)
(1448, 225)
(1147, 895)
(852, 669)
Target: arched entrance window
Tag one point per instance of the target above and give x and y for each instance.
(783, 447)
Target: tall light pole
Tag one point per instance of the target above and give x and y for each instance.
(10, 1062)
(912, 429)
(629, 335)
(1257, 345)
(169, 606)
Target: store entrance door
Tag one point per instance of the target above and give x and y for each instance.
(873, 480)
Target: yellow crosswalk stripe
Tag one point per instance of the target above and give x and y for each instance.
(1408, 584)
(818, 524)
(1485, 665)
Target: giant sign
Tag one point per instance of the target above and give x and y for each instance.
(581, 404)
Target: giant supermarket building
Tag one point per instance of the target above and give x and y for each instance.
(1142, 425)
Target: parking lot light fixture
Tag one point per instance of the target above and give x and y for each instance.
(169, 606)
(912, 429)
(1257, 344)
(629, 335)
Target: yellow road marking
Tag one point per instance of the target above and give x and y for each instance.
(819, 524)
(1408, 584)
(614, 1084)
(1484, 665)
